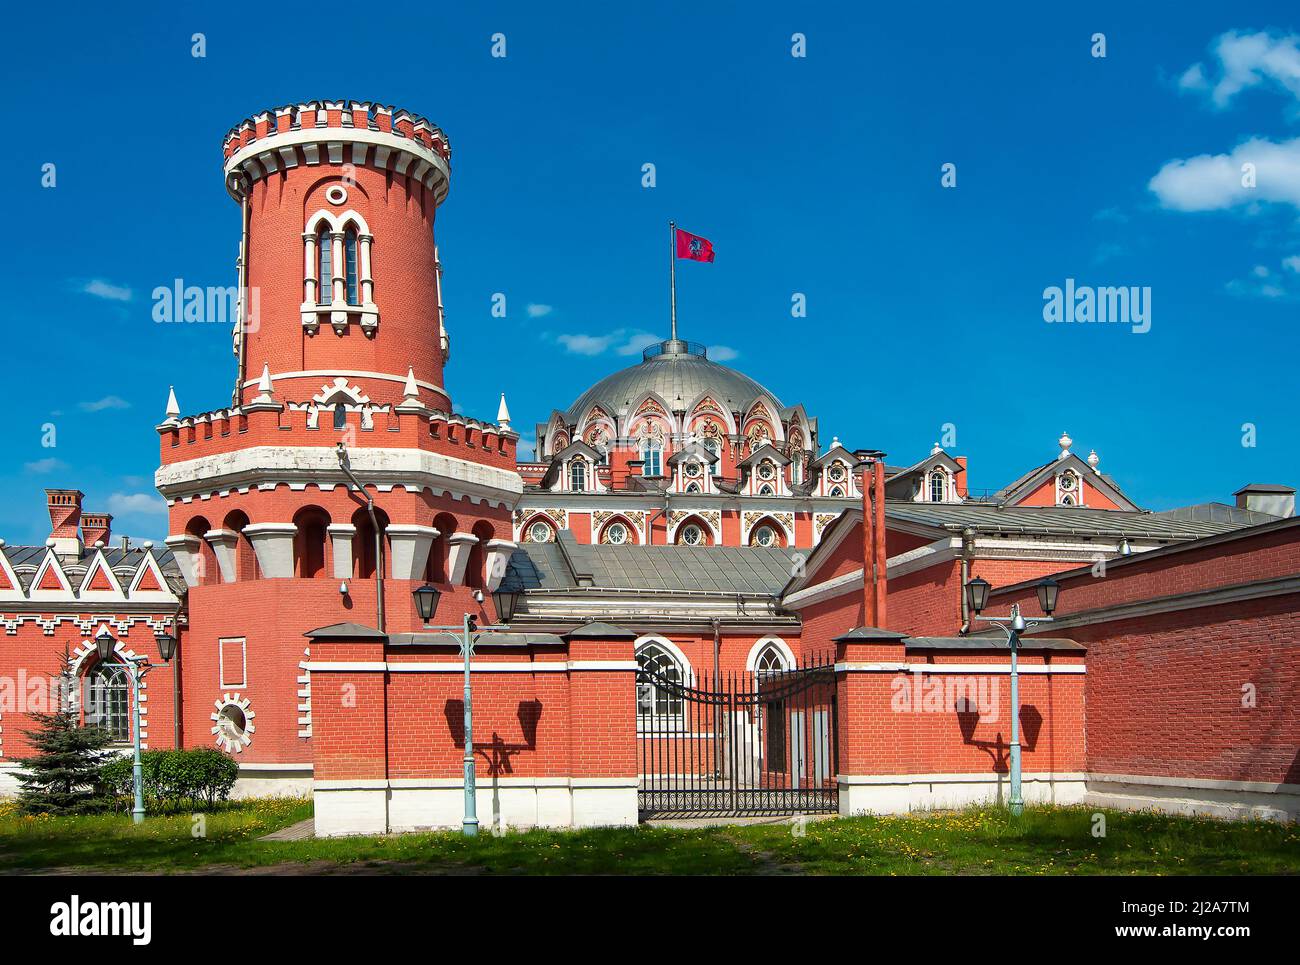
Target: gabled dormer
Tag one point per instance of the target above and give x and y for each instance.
(938, 478)
(762, 472)
(1067, 481)
(834, 473)
(573, 470)
(694, 469)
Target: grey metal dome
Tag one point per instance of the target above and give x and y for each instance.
(678, 372)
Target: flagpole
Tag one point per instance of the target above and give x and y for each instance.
(672, 273)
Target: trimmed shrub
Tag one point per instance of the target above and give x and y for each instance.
(174, 779)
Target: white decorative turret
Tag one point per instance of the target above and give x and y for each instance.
(1093, 459)
(410, 390)
(265, 398)
(1064, 442)
(173, 407)
(503, 413)
(936, 450)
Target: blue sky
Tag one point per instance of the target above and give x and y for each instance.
(818, 175)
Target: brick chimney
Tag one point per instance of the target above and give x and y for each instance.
(959, 477)
(1267, 498)
(96, 528)
(65, 517)
(874, 556)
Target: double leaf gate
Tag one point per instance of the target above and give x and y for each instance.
(752, 743)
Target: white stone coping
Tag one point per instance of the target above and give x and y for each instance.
(482, 783)
(959, 668)
(980, 777)
(512, 666)
(1200, 783)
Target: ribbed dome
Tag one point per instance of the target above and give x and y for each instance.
(674, 370)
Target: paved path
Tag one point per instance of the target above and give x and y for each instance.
(294, 832)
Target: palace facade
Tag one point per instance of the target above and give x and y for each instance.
(692, 601)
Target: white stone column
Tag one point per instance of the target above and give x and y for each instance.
(341, 536)
(337, 268)
(409, 549)
(498, 557)
(458, 549)
(186, 549)
(309, 273)
(273, 544)
(224, 543)
(367, 283)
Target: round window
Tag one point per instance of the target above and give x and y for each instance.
(616, 533)
(765, 470)
(1067, 481)
(692, 469)
(539, 532)
(836, 471)
(764, 536)
(692, 535)
(336, 194)
(232, 722)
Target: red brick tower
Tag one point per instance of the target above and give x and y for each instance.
(340, 383)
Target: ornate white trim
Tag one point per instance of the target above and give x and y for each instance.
(233, 743)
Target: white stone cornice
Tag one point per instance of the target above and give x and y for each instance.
(260, 465)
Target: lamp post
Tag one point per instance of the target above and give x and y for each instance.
(426, 602)
(977, 597)
(135, 669)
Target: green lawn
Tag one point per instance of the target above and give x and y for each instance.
(977, 841)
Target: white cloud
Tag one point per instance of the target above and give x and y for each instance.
(1246, 60)
(1213, 182)
(102, 289)
(722, 353)
(621, 341)
(140, 503)
(48, 464)
(539, 311)
(1263, 282)
(107, 402)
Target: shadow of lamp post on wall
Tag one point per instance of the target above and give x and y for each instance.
(134, 669)
(426, 603)
(977, 597)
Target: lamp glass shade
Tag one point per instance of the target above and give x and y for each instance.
(104, 646)
(426, 601)
(506, 602)
(1047, 593)
(166, 646)
(977, 594)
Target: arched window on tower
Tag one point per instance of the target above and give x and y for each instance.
(325, 264)
(350, 264)
(340, 416)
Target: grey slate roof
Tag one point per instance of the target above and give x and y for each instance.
(717, 569)
(1057, 520)
(671, 375)
(1219, 513)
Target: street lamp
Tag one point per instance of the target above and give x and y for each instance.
(507, 601)
(426, 602)
(977, 597)
(135, 669)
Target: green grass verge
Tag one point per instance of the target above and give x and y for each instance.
(976, 841)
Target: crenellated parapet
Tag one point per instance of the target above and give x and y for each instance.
(360, 133)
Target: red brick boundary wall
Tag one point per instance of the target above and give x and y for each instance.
(1193, 684)
(554, 731)
(924, 722)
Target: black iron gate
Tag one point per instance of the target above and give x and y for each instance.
(755, 743)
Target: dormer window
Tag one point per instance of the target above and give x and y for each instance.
(711, 444)
(1068, 488)
(938, 486)
(578, 475)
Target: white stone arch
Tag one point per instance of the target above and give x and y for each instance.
(697, 516)
(773, 416)
(337, 222)
(634, 418)
(767, 519)
(632, 528)
(725, 415)
(645, 640)
(779, 645)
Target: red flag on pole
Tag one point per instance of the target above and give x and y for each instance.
(693, 246)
